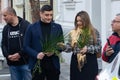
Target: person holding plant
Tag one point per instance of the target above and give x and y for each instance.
(41, 44)
(86, 44)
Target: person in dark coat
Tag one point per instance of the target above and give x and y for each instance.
(12, 45)
(86, 44)
(42, 32)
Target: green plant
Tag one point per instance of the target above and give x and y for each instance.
(48, 47)
(82, 41)
(83, 38)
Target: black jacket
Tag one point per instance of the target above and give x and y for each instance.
(33, 45)
(23, 24)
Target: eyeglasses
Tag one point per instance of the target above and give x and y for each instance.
(115, 21)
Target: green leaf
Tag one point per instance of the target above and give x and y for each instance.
(83, 38)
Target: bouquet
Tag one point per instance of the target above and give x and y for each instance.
(81, 42)
(48, 47)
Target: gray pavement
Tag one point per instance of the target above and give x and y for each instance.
(4, 73)
(5, 77)
(65, 71)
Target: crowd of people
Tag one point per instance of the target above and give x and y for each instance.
(32, 50)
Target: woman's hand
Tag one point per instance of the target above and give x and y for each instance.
(83, 50)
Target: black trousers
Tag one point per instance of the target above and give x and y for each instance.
(49, 72)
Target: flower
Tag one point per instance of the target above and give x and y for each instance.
(82, 42)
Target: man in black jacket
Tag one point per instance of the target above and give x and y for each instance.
(40, 43)
(12, 45)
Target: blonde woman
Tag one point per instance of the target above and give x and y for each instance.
(86, 44)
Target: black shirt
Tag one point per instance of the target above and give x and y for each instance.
(13, 36)
(46, 30)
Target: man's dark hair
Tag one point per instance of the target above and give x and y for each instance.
(11, 10)
(46, 8)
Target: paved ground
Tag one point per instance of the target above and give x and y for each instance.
(65, 71)
(4, 73)
(65, 68)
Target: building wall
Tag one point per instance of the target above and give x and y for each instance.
(23, 7)
(18, 6)
(96, 14)
(67, 9)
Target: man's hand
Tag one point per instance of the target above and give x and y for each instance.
(14, 57)
(109, 51)
(40, 55)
